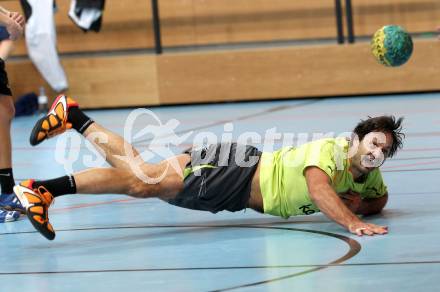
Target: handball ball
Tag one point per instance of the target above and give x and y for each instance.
(392, 45)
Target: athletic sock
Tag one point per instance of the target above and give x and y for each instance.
(64, 185)
(80, 121)
(6, 180)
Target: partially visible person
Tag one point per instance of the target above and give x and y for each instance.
(11, 28)
(6, 44)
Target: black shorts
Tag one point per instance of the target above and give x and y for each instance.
(218, 177)
(4, 83)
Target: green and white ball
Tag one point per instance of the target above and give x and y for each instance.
(392, 46)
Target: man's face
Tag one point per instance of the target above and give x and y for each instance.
(372, 152)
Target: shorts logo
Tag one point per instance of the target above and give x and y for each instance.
(202, 189)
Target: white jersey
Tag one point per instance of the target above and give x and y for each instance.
(41, 42)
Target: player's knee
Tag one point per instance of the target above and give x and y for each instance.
(140, 188)
(164, 188)
(155, 181)
(7, 109)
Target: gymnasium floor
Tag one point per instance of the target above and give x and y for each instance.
(115, 243)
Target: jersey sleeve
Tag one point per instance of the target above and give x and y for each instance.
(323, 156)
(374, 186)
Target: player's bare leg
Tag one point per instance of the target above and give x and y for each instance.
(38, 196)
(111, 145)
(65, 114)
(7, 112)
(8, 201)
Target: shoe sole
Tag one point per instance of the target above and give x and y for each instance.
(34, 134)
(37, 128)
(24, 201)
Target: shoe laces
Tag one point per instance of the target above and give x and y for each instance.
(46, 196)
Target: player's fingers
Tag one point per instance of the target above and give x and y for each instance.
(367, 231)
(378, 226)
(383, 231)
(359, 231)
(19, 18)
(379, 229)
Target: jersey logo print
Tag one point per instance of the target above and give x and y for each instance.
(306, 209)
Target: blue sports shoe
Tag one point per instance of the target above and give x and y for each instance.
(9, 216)
(10, 202)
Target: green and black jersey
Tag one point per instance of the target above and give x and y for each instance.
(283, 183)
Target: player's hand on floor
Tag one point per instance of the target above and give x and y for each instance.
(363, 228)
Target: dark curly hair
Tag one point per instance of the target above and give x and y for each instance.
(386, 124)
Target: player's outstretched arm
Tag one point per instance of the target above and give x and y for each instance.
(332, 206)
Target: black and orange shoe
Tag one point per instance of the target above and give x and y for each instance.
(37, 202)
(55, 122)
